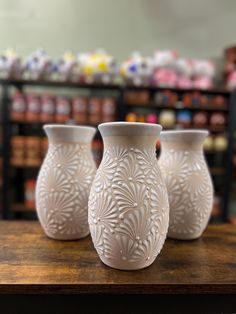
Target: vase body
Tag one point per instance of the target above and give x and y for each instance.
(64, 182)
(188, 182)
(128, 203)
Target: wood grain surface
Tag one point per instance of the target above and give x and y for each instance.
(32, 263)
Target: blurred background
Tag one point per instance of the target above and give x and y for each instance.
(86, 62)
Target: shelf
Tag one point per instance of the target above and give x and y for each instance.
(217, 171)
(58, 84)
(26, 166)
(18, 207)
(177, 107)
(178, 90)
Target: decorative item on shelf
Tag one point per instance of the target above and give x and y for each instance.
(80, 109)
(98, 66)
(188, 182)
(128, 202)
(64, 182)
(137, 70)
(38, 66)
(208, 144)
(18, 107)
(32, 113)
(43, 147)
(164, 63)
(10, 65)
(17, 150)
(97, 149)
(216, 209)
(141, 118)
(63, 109)
(137, 97)
(200, 119)
(203, 73)
(66, 68)
(30, 185)
(220, 143)
(196, 98)
(47, 113)
(187, 100)
(184, 118)
(95, 110)
(131, 117)
(219, 101)
(165, 98)
(32, 151)
(204, 100)
(167, 118)
(217, 120)
(184, 68)
(151, 118)
(108, 109)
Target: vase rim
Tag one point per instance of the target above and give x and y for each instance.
(129, 129)
(187, 134)
(69, 133)
(68, 126)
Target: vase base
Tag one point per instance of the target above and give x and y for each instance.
(121, 266)
(73, 237)
(184, 237)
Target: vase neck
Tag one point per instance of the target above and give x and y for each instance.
(181, 146)
(69, 134)
(139, 142)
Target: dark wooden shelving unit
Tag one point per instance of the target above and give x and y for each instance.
(217, 170)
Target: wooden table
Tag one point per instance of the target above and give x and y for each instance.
(30, 263)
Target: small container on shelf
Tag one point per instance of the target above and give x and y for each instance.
(187, 100)
(80, 109)
(43, 147)
(208, 144)
(17, 150)
(220, 143)
(137, 97)
(219, 101)
(167, 119)
(184, 118)
(32, 151)
(18, 107)
(95, 110)
(151, 118)
(217, 120)
(63, 109)
(141, 118)
(47, 109)
(32, 113)
(204, 100)
(131, 117)
(200, 119)
(196, 96)
(108, 109)
(30, 185)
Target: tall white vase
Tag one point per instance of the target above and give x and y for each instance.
(188, 182)
(128, 203)
(64, 182)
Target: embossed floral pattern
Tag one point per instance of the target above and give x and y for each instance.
(189, 189)
(128, 217)
(62, 190)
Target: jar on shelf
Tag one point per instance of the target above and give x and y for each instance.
(131, 117)
(32, 113)
(18, 107)
(80, 109)
(108, 109)
(63, 109)
(17, 150)
(217, 120)
(44, 147)
(30, 185)
(200, 119)
(32, 151)
(95, 111)
(47, 109)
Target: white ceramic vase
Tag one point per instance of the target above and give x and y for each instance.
(128, 203)
(188, 182)
(64, 182)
